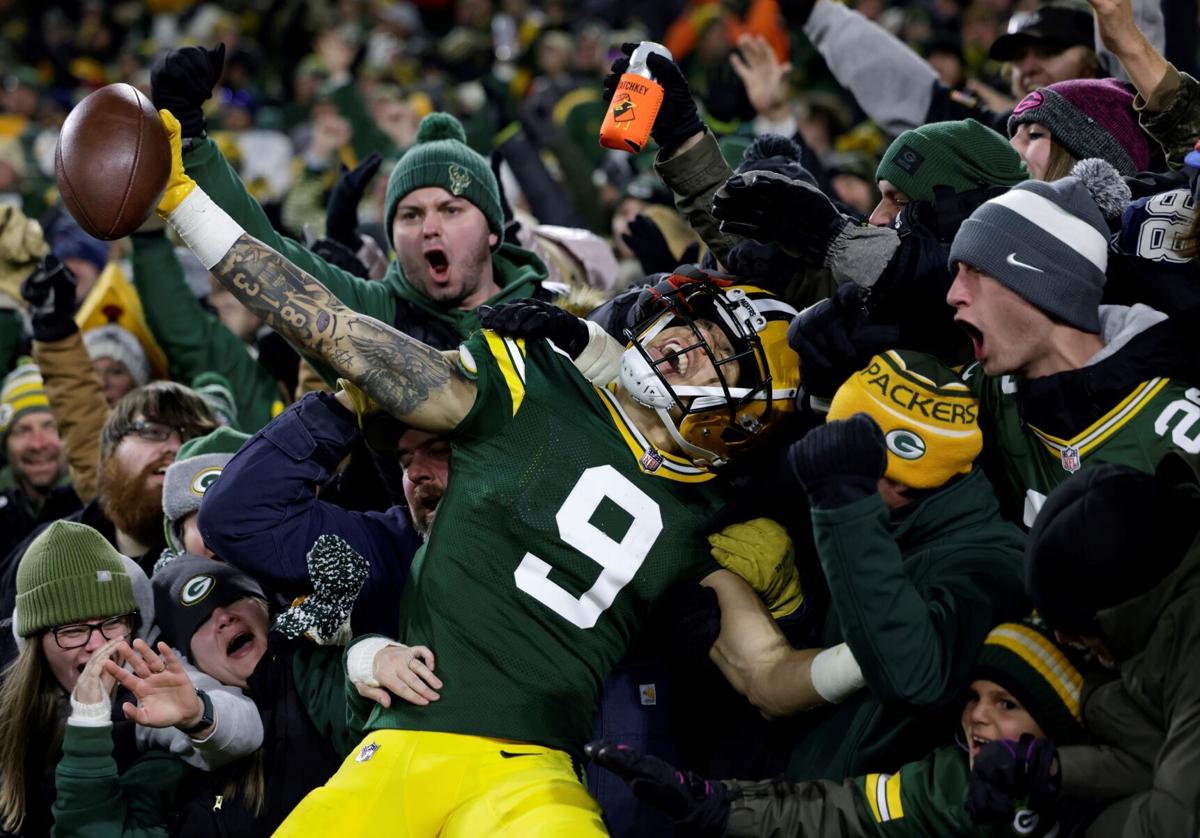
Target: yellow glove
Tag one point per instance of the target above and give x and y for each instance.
(362, 404)
(761, 552)
(179, 184)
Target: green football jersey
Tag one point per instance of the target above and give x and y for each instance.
(1157, 416)
(560, 528)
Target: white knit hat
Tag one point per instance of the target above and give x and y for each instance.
(113, 341)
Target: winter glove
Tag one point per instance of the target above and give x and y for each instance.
(761, 552)
(677, 117)
(1009, 776)
(50, 292)
(840, 462)
(776, 209)
(341, 214)
(651, 249)
(337, 573)
(530, 318)
(695, 803)
(338, 255)
(182, 80)
(835, 338)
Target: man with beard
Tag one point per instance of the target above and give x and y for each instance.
(139, 440)
(33, 486)
(265, 511)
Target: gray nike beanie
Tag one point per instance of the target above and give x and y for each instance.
(1048, 242)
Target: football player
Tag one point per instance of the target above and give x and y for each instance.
(573, 508)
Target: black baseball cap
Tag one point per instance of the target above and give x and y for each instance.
(1062, 26)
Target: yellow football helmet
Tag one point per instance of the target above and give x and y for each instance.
(715, 423)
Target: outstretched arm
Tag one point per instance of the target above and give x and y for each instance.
(412, 381)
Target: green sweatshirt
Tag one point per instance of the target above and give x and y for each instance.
(93, 800)
(914, 600)
(193, 339)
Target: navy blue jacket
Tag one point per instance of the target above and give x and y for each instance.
(263, 514)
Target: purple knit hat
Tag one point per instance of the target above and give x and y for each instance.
(1090, 118)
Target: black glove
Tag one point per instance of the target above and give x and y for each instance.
(650, 247)
(692, 801)
(678, 117)
(336, 253)
(796, 12)
(182, 80)
(776, 209)
(530, 318)
(840, 462)
(50, 292)
(341, 214)
(1010, 776)
(835, 338)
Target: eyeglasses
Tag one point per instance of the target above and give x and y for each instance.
(78, 634)
(158, 432)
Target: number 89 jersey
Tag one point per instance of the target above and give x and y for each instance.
(559, 529)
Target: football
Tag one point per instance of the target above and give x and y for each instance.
(112, 161)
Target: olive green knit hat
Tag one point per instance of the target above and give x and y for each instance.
(441, 157)
(70, 573)
(962, 155)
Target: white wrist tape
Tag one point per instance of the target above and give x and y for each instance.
(205, 227)
(600, 361)
(90, 715)
(835, 674)
(360, 661)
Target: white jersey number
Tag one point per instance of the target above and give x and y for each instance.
(1187, 411)
(620, 560)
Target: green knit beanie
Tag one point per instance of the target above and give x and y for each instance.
(441, 157)
(70, 573)
(962, 155)
(1023, 658)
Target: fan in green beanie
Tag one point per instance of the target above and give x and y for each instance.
(441, 157)
(963, 155)
(70, 573)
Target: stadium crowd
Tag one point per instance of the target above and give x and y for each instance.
(831, 466)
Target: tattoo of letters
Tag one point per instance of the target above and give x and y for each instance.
(398, 372)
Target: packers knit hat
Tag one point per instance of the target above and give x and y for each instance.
(70, 573)
(189, 589)
(23, 392)
(1048, 242)
(441, 157)
(962, 155)
(1023, 658)
(113, 341)
(198, 464)
(927, 414)
(1089, 118)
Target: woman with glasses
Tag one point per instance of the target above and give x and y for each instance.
(75, 605)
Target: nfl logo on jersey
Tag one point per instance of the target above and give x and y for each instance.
(651, 460)
(1070, 459)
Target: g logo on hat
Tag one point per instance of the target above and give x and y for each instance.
(909, 159)
(196, 589)
(905, 444)
(204, 478)
(460, 179)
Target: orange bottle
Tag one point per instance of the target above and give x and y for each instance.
(635, 103)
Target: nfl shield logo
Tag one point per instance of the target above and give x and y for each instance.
(1070, 459)
(651, 460)
(367, 752)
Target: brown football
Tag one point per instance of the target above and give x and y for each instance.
(112, 161)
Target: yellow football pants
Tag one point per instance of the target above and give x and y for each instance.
(419, 783)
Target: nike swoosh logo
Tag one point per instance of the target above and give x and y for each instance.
(507, 755)
(1012, 260)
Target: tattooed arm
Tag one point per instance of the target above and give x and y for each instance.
(412, 381)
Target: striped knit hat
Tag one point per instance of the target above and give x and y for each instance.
(1048, 242)
(23, 392)
(928, 416)
(1024, 659)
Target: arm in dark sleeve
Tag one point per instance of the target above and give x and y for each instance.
(263, 515)
(548, 202)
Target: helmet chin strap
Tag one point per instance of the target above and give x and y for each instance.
(707, 458)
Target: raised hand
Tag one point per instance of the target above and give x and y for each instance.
(763, 75)
(182, 80)
(95, 682)
(677, 119)
(341, 214)
(50, 292)
(165, 695)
